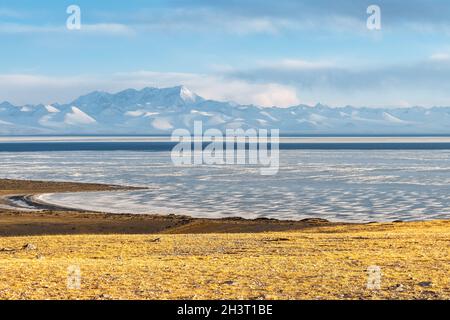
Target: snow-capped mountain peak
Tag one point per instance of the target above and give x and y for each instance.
(187, 95)
(160, 110)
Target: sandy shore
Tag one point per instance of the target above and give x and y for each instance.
(175, 257)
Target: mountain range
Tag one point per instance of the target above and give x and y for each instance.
(159, 111)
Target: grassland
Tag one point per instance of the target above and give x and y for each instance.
(200, 259)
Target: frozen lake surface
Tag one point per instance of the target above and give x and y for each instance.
(339, 185)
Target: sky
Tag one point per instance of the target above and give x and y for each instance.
(267, 53)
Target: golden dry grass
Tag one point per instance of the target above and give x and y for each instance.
(322, 262)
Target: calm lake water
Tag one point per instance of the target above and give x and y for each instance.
(369, 182)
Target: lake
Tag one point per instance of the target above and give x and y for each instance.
(338, 179)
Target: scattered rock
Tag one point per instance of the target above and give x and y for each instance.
(261, 219)
(425, 284)
(260, 297)
(275, 239)
(429, 293)
(7, 249)
(235, 219)
(314, 220)
(399, 287)
(29, 246)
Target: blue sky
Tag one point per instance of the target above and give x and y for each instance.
(262, 52)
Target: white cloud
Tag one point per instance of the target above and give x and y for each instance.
(296, 64)
(10, 13)
(108, 28)
(273, 94)
(249, 17)
(440, 57)
(99, 28)
(420, 83)
(46, 89)
(281, 83)
(15, 28)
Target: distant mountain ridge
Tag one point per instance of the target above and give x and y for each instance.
(159, 111)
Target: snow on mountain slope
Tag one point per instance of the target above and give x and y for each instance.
(6, 123)
(78, 117)
(51, 109)
(159, 111)
(390, 118)
(162, 124)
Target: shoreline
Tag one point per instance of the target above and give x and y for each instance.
(21, 195)
(126, 256)
(39, 218)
